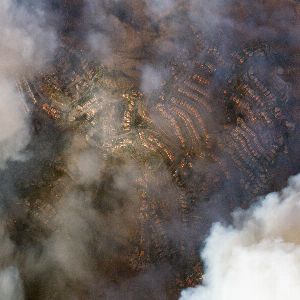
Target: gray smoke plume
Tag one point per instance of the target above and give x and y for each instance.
(151, 80)
(82, 224)
(25, 46)
(15, 133)
(11, 287)
(258, 257)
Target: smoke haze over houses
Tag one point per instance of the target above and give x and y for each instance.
(128, 129)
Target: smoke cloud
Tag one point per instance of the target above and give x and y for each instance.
(25, 47)
(106, 218)
(11, 287)
(151, 80)
(15, 133)
(258, 257)
(27, 44)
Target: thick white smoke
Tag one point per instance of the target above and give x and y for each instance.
(25, 41)
(151, 79)
(25, 46)
(258, 257)
(14, 134)
(11, 287)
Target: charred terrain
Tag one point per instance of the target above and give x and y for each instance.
(146, 127)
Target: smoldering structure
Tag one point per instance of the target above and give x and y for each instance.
(151, 122)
